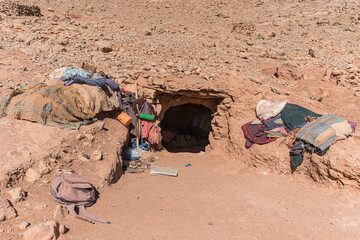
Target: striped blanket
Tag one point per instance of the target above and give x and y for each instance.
(67, 106)
(319, 132)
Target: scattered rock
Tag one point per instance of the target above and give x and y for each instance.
(275, 90)
(45, 231)
(43, 168)
(17, 194)
(59, 212)
(79, 137)
(104, 46)
(289, 71)
(6, 210)
(23, 225)
(336, 72)
(97, 155)
(147, 33)
(32, 175)
(18, 9)
(255, 81)
(100, 124)
(62, 229)
(311, 53)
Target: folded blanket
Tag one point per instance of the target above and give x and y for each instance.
(255, 134)
(320, 133)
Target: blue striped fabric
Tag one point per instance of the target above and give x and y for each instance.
(319, 132)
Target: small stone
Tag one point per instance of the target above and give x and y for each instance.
(59, 212)
(250, 43)
(147, 33)
(255, 81)
(101, 124)
(32, 175)
(97, 155)
(336, 72)
(4, 203)
(43, 168)
(352, 69)
(62, 229)
(243, 55)
(351, 76)
(80, 137)
(23, 225)
(8, 212)
(17, 194)
(275, 90)
(311, 53)
(2, 216)
(41, 232)
(104, 46)
(289, 71)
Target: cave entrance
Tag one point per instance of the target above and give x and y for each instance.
(186, 128)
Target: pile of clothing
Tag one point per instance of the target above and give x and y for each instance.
(71, 103)
(302, 129)
(149, 132)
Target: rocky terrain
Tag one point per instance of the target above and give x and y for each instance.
(225, 55)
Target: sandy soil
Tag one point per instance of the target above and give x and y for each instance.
(212, 199)
(219, 196)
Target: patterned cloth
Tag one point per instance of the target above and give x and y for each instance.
(58, 105)
(255, 134)
(72, 72)
(291, 137)
(319, 132)
(272, 123)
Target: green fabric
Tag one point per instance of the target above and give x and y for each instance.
(296, 160)
(294, 115)
(323, 152)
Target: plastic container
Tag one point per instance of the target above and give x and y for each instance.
(147, 117)
(131, 154)
(124, 119)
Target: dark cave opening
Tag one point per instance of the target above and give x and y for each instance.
(186, 128)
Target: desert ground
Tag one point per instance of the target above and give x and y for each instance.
(223, 54)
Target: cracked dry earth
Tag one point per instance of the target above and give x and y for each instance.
(221, 196)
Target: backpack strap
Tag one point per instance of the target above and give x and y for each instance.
(71, 208)
(87, 214)
(81, 209)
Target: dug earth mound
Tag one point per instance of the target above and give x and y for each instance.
(231, 101)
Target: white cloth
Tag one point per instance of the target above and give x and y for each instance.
(266, 109)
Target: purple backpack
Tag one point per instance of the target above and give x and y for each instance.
(76, 193)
